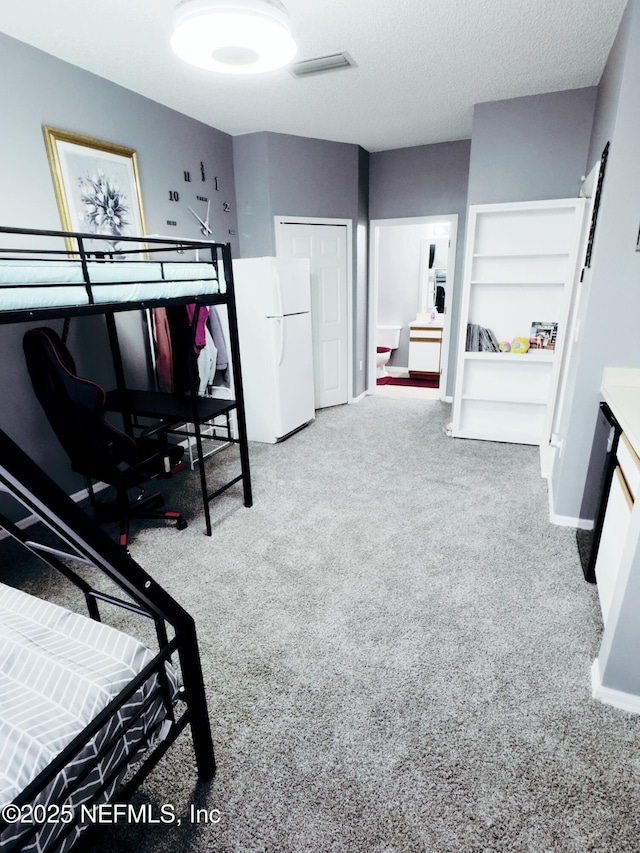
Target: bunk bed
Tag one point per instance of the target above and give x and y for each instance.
(47, 275)
(86, 711)
(51, 783)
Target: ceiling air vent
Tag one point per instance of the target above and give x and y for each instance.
(321, 63)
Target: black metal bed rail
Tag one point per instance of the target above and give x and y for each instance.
(180, 242)
(155, 668)
(141, 247)
(29, 484)
(51, 556)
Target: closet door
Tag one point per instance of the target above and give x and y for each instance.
(326, 248)
(520, 268)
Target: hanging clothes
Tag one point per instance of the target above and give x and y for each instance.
(210, 354)
(201, 323)
(222, 372)
(164, 355)
(207, 364)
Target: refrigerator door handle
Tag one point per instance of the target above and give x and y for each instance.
(278, 294)
(280, 322)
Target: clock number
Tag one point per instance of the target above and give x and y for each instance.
(202, 171)
(226, 207)
(217, 185)
(174, 195)
(187, 176)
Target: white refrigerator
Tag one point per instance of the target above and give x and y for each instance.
(273, 302)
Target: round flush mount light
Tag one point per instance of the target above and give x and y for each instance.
(233, 36)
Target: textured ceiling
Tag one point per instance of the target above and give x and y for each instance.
(421, 64)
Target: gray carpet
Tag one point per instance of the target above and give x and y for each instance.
(396, 646)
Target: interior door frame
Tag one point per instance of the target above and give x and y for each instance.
(281, 220)
(374, 233)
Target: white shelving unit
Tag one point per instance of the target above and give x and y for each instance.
(520, 267)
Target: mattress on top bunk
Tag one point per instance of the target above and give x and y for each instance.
(56, 284)
(58, 670)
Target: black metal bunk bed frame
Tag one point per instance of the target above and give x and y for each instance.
(90, 545)
(172, 413)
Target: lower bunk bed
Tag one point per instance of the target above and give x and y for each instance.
(86, 711)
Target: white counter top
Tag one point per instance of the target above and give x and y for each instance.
(425, 319)
(621, 390)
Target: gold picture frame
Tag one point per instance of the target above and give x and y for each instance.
(97, 188)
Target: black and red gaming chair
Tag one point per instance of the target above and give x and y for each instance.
(96, 449)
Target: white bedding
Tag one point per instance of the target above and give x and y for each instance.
(55, 284)
(58, 670)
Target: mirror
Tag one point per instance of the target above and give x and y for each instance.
(433, 269)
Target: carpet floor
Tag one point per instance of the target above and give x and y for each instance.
(396, 647)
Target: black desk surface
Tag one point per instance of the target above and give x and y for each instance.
(157, 404)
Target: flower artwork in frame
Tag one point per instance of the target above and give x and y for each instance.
(97, 189)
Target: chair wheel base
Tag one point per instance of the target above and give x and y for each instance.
(182, 524)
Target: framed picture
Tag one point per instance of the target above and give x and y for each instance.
(97, 189)
(543, 335)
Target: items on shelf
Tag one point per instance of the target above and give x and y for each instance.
(480, 339)
(543, 335)
(520, 345)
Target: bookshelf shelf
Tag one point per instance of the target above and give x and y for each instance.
(520, 269)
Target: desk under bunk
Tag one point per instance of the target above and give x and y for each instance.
(46, 275)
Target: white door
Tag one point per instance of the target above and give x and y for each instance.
(326, 248)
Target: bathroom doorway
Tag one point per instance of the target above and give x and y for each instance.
(411, 280)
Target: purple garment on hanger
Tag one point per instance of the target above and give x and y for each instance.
(203, 315)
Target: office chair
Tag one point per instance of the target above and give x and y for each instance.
(96, 449)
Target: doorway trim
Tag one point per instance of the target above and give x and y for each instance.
(320, 220)
(375, 225)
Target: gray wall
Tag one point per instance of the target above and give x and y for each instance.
(426, 180)
(530, 148)
(282, 175)
(253, 195)
(37, 89)
(611, 302)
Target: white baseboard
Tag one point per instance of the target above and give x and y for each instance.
(82, 495)
(619, 699)
(361, 396)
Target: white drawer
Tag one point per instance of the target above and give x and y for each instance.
(630, 465)
(425, 333)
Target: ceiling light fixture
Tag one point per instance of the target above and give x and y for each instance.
(233, 36)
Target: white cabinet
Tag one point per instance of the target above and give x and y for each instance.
(520, 268)
(612, 540)
(425, 346)
(617, 518)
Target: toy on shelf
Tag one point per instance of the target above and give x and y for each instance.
(520, 345)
